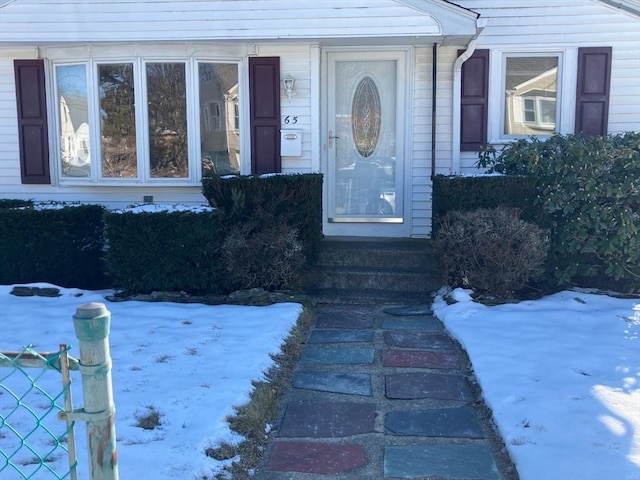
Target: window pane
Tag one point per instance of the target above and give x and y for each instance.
(117, 120)
(219, 118)
(167, 110)
(75, 151)
(535, 78)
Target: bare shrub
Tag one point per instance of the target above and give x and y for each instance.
(271, 258)
(490, 250)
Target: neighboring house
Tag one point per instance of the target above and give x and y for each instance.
(114, 101)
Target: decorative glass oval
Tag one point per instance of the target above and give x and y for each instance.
(365, 117)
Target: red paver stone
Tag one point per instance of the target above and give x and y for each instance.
(318, 458)
(419, 359)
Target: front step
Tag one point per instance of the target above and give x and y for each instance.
(356, 270)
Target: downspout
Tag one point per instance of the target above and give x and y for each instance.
(457, 84)
(434, 77)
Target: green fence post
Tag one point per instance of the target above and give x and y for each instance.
(92, 322)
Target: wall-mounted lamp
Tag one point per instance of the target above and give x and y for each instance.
(289, 84)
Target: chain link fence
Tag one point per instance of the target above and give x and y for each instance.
(36, 407)
(32, 439)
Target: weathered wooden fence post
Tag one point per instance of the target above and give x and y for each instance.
(92, 323)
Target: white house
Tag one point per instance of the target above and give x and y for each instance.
(116, 102)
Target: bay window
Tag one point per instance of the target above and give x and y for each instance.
(139, 121)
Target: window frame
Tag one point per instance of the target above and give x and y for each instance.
(565, 96)
(139, 62)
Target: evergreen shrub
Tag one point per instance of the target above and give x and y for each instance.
(165, 251)
(271, 200)
(57, 244)
(588, 192)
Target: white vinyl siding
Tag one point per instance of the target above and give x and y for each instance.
(529, 26)
(192, 20)
(295, 61)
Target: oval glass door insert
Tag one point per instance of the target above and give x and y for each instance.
(366, 115)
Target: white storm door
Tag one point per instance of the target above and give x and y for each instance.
(365, 169)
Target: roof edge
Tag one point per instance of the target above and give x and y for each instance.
(420, 5)
(632, 7)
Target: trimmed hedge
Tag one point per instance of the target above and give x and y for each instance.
(292, 200)
(458, 193)
(167, 251)
(62, 246)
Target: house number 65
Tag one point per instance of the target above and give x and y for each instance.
(289, 120)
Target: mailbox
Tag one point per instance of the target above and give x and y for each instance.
(290, 143)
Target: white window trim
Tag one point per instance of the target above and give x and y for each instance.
(142, 135)
(566, 98)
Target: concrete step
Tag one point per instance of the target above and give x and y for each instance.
(368, 278)
(356, 270)
(401, 254)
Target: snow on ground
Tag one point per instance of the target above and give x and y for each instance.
(562, 375)
(189, 362)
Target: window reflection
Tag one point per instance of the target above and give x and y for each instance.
(75, 149)
(219, 118)
(531, 89)
(117, 120)
(167, 116)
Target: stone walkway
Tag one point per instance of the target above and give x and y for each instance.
(382, 393)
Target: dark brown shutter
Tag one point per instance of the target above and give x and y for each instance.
(32, 121)
(592, 97)
(474, 101)
(264, 92)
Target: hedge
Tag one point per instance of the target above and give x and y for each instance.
(62, 245)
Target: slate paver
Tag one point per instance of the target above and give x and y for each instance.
(461, 422)
(429, 324)
(337, 425)
(318, 458)
(327, 420)
(329, 355)
(418, 339)
(420, 359)
(408, 310)
(345, 316)
(418, 385)
(349, 383)
(340, 336)
(459, 462)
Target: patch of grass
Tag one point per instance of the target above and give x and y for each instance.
(192, 350)
(251, 420)
(163, 358)
(150, 419)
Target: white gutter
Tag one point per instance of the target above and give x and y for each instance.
(457, 83)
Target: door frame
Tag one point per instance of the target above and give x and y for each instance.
(360, 228)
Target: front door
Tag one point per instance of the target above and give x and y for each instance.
(364, 144)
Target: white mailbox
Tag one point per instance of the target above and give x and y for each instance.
(290, 143)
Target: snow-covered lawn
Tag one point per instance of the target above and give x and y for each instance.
(191, 363)
(562, 375)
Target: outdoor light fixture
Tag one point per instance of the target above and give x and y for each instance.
(288, 83)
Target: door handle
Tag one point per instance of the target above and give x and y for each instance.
(331, 137)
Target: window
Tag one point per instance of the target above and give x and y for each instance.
(117, 121)
(530, 95)
(137, 121)
(219, 132)
(73, 121)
